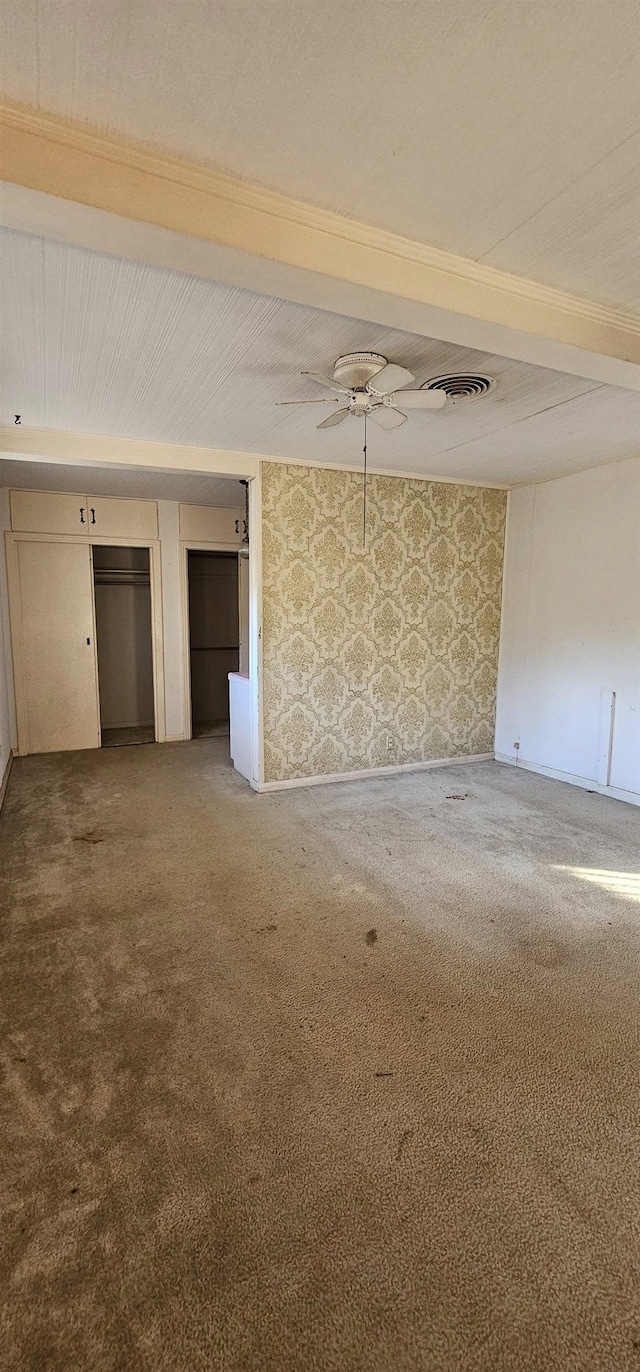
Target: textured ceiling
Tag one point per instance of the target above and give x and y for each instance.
(95, 344)
(504, 131)
(133, 482)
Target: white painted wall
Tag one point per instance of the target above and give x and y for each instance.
(172, 618)
(571, 628)
(8, 733)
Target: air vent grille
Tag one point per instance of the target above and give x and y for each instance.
(461, 386)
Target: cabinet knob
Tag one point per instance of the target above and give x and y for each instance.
(82, 519)
(93, 515)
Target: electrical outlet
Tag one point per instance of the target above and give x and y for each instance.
(389, 743)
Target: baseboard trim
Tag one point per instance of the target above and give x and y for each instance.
(614, 792)
(5, 779)
(333, 777)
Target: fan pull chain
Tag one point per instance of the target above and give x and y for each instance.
(364, 486)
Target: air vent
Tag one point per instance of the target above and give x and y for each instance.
(461, 386)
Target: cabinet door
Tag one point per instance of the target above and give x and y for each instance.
(46, 512)
(56, 676)
(122, 518)
(211, 524)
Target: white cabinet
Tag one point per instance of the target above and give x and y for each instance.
(48, 512)
(240, 723)
(42, 512)
(211, 524)
(50, 552)
(53, 632)
(122, 518)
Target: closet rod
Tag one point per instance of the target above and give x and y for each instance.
(106, 579)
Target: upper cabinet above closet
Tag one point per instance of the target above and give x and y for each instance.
(47, 512)
(41, 512)
(211, 524)
(122, 518)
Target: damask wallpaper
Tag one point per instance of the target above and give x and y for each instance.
(398, 640)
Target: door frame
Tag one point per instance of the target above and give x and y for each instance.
(255, 622)
(155, 579)
(193, 545)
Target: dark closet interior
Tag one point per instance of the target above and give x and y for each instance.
(213, 638)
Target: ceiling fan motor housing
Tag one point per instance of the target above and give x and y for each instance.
(356, 369)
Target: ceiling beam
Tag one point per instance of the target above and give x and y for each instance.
(97, 450)
(67, 182)
(65, 448)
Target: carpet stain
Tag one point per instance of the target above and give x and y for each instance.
(402, 1142)
(371, 937)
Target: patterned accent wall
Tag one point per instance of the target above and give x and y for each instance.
(396, 640)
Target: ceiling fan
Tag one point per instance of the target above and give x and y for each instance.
(374, 388)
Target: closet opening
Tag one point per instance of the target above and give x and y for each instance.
(122, 588)
(214, 638)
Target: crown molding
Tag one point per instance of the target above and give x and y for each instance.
(222, 186)
(75, 163)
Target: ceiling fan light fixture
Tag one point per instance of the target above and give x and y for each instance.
(370, 386)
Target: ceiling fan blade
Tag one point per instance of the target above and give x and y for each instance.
(419, 400)
(386, 418)
(329, 381)
(335, 418)
(326, 401)
(390, 378)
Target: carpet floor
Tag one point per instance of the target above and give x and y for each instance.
(343, 1079)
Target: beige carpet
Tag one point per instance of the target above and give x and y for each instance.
(344, 1078)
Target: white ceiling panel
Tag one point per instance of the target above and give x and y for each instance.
(587, 239)
(95, 344)
(132, 482)
(500, 130)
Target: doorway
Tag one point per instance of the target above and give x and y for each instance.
(214, 642)
(122, 588)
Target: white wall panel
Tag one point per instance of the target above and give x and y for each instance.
(172, 618)
(571, 625)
